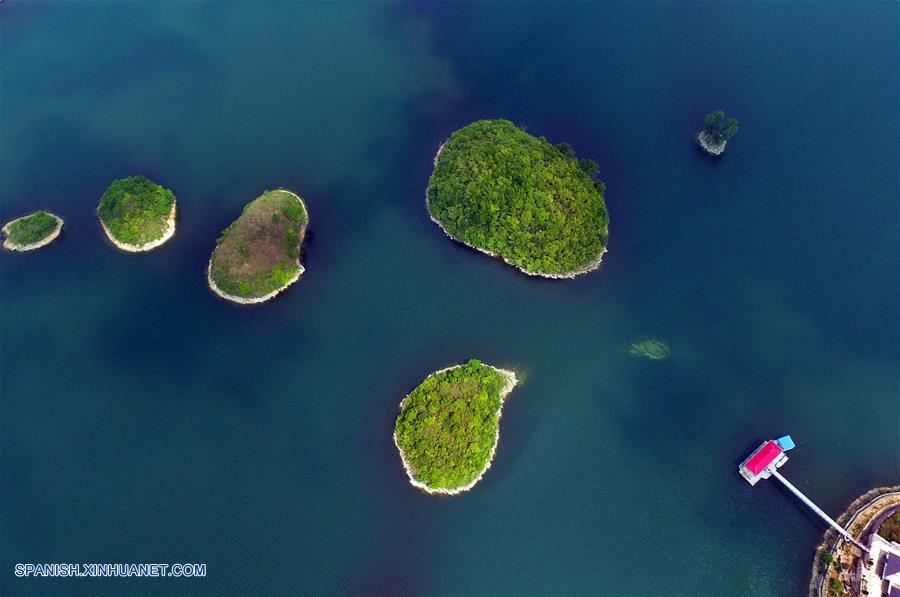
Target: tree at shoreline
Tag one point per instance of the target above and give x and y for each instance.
(721, 129)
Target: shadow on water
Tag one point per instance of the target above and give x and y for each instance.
(75, 156)
(176, 336)
(128, 41)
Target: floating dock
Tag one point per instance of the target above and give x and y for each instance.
(762, 462)
(765, 461)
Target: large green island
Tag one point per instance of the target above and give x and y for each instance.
(449, 426)
(511, 195)
(137, 214)
(31, 232)
(258, 255)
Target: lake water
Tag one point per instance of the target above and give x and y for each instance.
(144, 420)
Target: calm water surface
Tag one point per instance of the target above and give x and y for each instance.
(143, 420)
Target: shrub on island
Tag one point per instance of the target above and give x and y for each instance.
(32, 231)
(890, 528)
(515, 196)
(448, 427)
(137, 214)
(258, 255)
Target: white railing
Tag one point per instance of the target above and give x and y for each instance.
(816, 509)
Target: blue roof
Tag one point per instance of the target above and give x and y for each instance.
(891, 566)
(785, 443)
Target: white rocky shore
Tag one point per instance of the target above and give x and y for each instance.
(709, 145)
(511, 382)
(8, 244)
(253, 300)
(593, 265)
(261, 299)
(168, 233)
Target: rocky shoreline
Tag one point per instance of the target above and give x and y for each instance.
(709, 145)
(261, 299)
(8, 244)
(149, 246)
(253, 300)
(511, 382)
(593, 265)
(832, 542)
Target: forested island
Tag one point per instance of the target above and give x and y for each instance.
(449, 426)
(512, 195)
(716, 133)
(258, 255)
(137, 214)
(31, 232)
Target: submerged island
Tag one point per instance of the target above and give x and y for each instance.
(137, 214)
(31, 232)
(449, 426)
(650, 348)
(258, 255)
(511, 195)
(718, 131)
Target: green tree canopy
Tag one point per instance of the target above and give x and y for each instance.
(721, 128)
(447, 426)
(32, 228)
(136, 210)
(504, 191)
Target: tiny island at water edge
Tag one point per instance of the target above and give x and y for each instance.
(716, 132)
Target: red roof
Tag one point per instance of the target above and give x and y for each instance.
(769, 452)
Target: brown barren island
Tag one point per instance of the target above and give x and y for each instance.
(258, 255)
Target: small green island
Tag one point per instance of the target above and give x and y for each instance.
(137, 214)
(258, 255)
(514, 196)
(650, 348)
(449, 426)
(716, 133)
(31, 232)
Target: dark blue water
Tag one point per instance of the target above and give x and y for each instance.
(143, 420)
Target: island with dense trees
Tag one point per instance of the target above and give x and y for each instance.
(717, 132)
(258, 255)
(511, 195)
(137, 214)
(33, 231)
(449, 426)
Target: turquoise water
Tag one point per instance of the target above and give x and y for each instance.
(143, 420)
